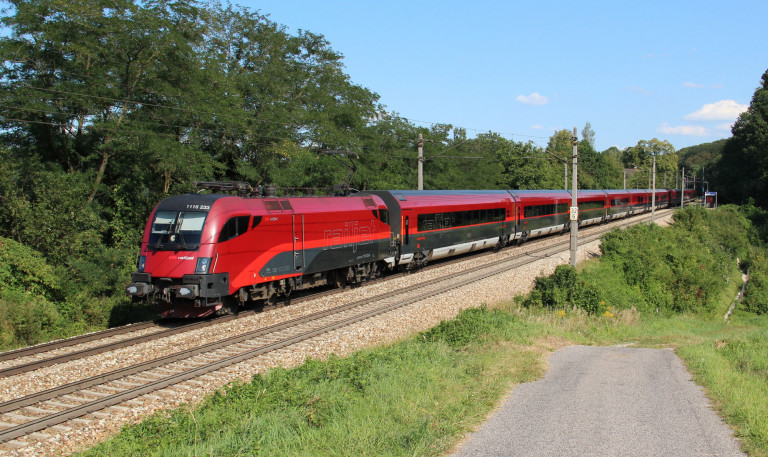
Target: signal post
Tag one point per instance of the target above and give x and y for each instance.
(574, 216)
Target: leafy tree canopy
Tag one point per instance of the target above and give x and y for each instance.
(742, 171)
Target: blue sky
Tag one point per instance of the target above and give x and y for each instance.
(673, 70)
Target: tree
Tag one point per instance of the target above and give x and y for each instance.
(702, 158)
(588, 135)
(742, 172)
(79, 75)
(526, 166)
(641, 156)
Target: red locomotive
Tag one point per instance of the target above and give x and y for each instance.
(210, 253)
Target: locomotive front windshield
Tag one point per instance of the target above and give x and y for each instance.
(176, 230)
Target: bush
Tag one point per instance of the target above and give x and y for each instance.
(25, 319)
(23, 269)
(680, 269)
(756, 292)
(566, 289)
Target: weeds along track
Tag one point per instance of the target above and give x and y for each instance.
(28, 415)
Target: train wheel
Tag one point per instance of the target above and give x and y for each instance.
(270, 300)
(229, 306)
(338, 278)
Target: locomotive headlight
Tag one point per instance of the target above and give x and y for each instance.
(202, 266)
(141, 263)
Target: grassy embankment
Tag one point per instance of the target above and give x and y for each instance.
(421, 395)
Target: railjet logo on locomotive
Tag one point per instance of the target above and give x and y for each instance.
(352, 235)
(204, 254)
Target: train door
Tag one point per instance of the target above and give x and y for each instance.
(508, 227)
(408, 225)
(298, 241)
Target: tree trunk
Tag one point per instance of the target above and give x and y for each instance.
(99, 176)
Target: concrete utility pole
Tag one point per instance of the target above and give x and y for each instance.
(682, 189)
(421, 161)
(653, 195)
(574, 200)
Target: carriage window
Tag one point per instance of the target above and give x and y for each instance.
(590, 205)
(437, 221)
(545, 210)
(234, 227)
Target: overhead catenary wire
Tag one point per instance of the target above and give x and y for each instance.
(265, 121)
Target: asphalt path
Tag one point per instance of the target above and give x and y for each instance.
(607, 401)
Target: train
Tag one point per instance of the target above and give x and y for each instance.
(211, 253)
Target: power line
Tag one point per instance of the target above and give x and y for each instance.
(264, 121)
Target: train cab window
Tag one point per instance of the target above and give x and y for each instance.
(381, 214)
(256, 221)
(176, 230)
(384, 216)
(234, 227)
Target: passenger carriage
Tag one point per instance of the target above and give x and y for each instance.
(541, 212)
(431, 225)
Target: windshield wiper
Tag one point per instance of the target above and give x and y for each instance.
(178, 231)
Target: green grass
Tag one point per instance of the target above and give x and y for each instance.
(422, 395)
(733, 367)
(416, 397)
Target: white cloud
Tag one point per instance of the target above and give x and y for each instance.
(693, 85)
(724, 110)
(537, 127)
(534, 99)
(724, 127)
(689, 130)
(640, 90)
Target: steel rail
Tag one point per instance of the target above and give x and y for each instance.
(58, 344)
(37, 364)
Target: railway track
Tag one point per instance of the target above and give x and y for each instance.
(33, 413)
(54, 359)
